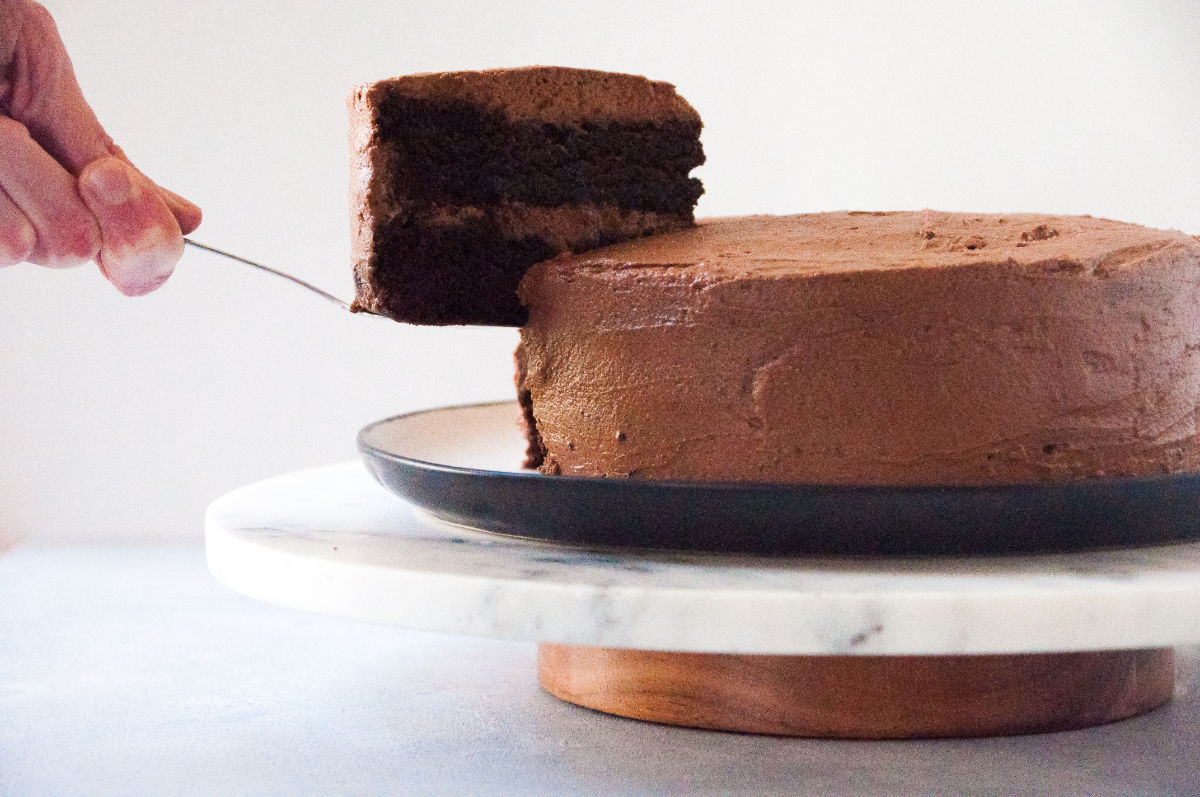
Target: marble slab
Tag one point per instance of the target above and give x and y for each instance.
(330, 540)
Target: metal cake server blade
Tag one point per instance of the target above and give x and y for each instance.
(329, 297)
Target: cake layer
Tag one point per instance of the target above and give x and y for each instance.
(460, 181)
(870, 348)
(458, 153)
(461, 265)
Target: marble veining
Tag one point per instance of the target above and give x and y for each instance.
(331, 540)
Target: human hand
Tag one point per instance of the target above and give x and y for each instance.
(68, 194)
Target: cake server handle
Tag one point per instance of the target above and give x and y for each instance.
(329, 297)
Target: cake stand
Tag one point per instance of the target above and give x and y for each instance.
(852, 648)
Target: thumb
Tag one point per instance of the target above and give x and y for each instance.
(140, 239)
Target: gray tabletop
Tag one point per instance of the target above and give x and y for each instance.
(127, 670)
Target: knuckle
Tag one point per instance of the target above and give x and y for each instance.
(11, 130)
(17, 241)
(37, 14)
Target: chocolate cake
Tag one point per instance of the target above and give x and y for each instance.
(462, 180)
(874, 348)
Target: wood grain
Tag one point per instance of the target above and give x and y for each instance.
(862, 697)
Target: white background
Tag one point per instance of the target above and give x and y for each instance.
(123, 418)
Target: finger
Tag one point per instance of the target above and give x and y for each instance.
(17, 237)
(45, 96)
(186, 213)
(66, 233)
(141, 242)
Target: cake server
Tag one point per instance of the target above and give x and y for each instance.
(329, 297)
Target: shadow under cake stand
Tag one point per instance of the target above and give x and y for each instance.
(832, 647)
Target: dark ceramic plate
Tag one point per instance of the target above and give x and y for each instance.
(462, 464)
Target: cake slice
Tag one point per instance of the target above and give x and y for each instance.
(877, 348)
(462, 180)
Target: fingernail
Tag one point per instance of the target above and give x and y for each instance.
(110, 181)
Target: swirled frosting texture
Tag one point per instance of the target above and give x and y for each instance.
(879, 348)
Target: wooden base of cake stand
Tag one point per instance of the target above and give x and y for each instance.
(862, 697)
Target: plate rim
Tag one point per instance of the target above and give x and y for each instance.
(787, 520)
(1088, 483)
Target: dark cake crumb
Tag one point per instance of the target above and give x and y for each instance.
(535, 448)
(456, 153)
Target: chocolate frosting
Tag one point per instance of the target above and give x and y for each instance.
(914, 347)
(549, 94)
